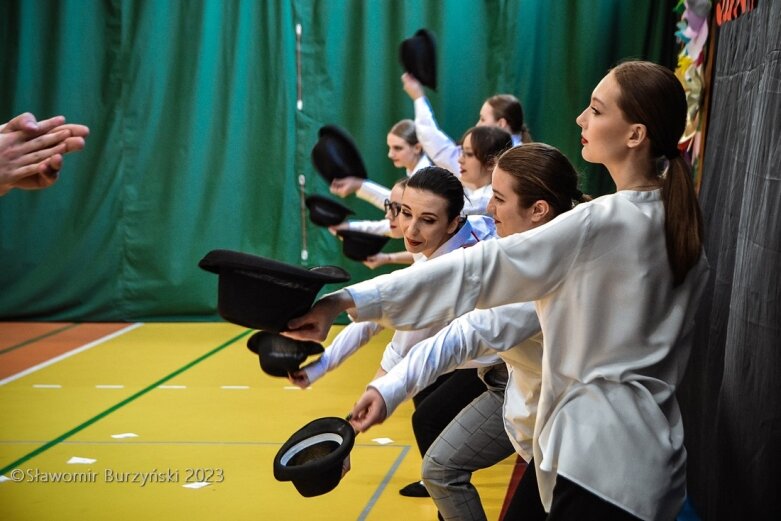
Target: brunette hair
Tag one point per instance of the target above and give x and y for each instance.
(488, 143)
(653, 96)
(508, 107)
(541, 172)
(442, 183)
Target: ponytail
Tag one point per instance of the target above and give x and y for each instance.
(683, 227)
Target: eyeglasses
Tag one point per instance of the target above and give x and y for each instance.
(393, 208)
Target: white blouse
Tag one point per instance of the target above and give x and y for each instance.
(470, 341)
(617, 336)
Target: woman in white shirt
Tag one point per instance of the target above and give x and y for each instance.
(533, 184)
(616, 283)
(432, 225)
(501, 110)
(480, 148)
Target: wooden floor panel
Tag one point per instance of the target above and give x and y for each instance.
(197, 405)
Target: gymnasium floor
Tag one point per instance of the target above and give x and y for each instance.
(101, 407)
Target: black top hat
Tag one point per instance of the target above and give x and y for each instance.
(326, 212)
(313, 456)
(262, 293)
(358, 245)
(335, 154)
(418, 56)
(280, 355)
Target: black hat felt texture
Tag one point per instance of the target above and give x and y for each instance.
(335, 154)
(262, 293)
(357, 245)
(313, 456)
(324, 211)
(418, 56)
(280, 355)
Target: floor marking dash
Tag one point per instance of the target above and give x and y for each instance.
(47, 386)
(234, 387)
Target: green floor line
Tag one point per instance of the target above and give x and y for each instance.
(124, 402)
(39, 337)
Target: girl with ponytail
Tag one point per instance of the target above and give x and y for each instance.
(616, 283)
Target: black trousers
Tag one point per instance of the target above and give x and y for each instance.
(570, 502)
(440, 402)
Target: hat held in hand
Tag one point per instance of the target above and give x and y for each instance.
(280, 355)
(418, 56)
(335, 154)
(358, 245)
(324, 211)
(262, 293)
(312, 458)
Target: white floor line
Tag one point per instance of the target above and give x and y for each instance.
(70, 353)
(47, 386)
(234, 387)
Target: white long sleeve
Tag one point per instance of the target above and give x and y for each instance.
(348, 341)
(437, 145)
(373, 193)
(381, 227)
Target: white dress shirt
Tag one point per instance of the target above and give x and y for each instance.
(617, 336)
(472, 340)
(403, 341)
(476, 201)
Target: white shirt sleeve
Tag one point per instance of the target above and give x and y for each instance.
(436, 144)
(475, 334)
(347, 342)
(376, 227)
(373, 193)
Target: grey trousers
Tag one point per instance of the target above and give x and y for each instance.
(474, 440)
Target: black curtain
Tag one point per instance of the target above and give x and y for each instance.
(731, 396)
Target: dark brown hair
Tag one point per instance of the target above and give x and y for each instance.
(541, 173)
(508, 107)
(488, 143)
(651, 95)
(443, 183)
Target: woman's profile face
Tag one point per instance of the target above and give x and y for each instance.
(392, 214)
(505, 206)
(402, 153)
(486, 118)
(423, 221)
(605, 128)
(472, 170)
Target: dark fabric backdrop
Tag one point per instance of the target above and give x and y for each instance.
(197, 143)
(731, 396)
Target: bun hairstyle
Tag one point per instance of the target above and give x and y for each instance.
(653, 96)
(488, 143)
(508, 107)
(541, 172)
(443, 183)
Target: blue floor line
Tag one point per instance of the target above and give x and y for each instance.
(381, 487)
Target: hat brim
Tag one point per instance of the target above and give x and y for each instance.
(358, 245)
(279, 355)
(326, 212)
(313, 456)
(335, 155)
(418, 56)
(262, 293)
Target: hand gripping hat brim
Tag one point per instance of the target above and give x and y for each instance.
(313, 456)
(418, 56)
(262, 293)
(335, 155)
(326, 212)
(279, 355)
(357, 245)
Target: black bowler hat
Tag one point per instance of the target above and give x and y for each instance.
(335, 154)
(326, 212)
(313, 456)
(280, 355)
(358, 245)
(261, 293)
(418, 56)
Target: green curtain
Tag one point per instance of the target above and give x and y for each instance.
(197, 142)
